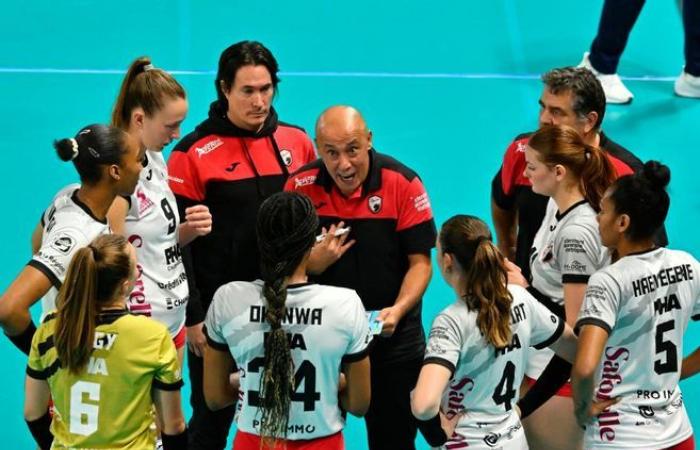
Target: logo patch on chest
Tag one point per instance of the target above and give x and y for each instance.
(144, 202)
(286, 156)
(375, 203)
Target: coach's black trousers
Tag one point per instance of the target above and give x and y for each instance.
(208, 430)
(390, 423)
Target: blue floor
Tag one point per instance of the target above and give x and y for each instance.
(444, 86)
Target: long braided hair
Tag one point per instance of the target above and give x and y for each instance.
(286, 229)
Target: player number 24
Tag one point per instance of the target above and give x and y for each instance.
(306, 374)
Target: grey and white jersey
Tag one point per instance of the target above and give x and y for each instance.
(566, 249)
(325, 326)
(644, 301)
(68, 225)
(152, 227)
(485, 380)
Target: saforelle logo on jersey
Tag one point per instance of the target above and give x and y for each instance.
(63, 243)
(209, 147)
(286, 156)
(608, 419)
(375, 203)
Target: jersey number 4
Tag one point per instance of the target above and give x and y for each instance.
(504, 393)
(306, 373)
(667, 347)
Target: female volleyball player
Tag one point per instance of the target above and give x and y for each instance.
(150, 107)
(103, 367)
(290, 341)
(478, 347)
(632, 323)
(566, 252)
(108, 162)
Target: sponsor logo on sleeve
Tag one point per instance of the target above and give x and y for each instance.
(209, 147)
(575, 266)
(63, 243)
(591, 311)
(52, 262)
(574, 246)
(304, 181)
(421, 203)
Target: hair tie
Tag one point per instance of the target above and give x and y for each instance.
(148, 67)
(480, 239)
(587, 153)
(74, 144)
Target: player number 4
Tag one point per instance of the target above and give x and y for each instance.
(504, 393)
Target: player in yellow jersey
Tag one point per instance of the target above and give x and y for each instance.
(103, 368)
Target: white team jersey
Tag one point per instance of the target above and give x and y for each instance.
(485, 381)
(325, 325)
(644, 301)
(68, 225)
(152, 227)
(566, 249)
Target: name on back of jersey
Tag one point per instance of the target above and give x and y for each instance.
(102, 341)
(292, 315)
(665, 277)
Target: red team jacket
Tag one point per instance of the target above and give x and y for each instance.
(232, 171)
(389, 218)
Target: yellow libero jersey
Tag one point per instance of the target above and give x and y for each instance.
(109, 404)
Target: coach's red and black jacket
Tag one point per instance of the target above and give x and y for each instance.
(231, 170)
(512, 191)
(389, 218)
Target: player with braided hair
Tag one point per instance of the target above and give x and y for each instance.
(287, 338)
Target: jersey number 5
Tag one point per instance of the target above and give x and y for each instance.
(83, 416)
(667, 347)
(306, 373)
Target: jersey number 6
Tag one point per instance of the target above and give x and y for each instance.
(83, 416)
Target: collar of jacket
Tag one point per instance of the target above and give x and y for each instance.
(219, 123)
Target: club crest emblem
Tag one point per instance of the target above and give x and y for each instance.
(375, 204)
